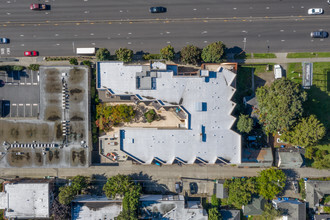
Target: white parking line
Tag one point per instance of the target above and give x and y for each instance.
(13, 104)
(20, 104)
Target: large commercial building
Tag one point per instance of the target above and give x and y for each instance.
(194, 106)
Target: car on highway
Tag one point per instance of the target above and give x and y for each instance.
(4, 40)
(158, 9)
(193, 188)
(315, 11)
(37, 7)
(32, 53)
(319, 34)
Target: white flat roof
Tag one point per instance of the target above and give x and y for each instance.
(215, 92)
(27, 200)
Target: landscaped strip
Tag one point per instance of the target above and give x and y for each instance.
(308, 55)
(255, 56)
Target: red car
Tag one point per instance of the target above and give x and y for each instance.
(38, 7)
(30, 53)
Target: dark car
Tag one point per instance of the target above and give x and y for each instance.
(158, 9)
(178, 187)
(193, 188)
(319, 34)
(4, 40)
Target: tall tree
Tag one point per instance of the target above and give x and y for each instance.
(214, 52)
(240, 191)
(270, 213)
(79, 183)
(280, 105)
(117, 186)
(214, 214)
(66, 195)
(124, 54)
(102, 54)
(245, 123)
(167, 53)
(271, 182)
(191, 54)
(306, 133)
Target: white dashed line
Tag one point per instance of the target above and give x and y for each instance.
(204, 32)
(281, 30)
(267, 8)
(129, 43)
(92, 34)
(282, 40)
(234, 8)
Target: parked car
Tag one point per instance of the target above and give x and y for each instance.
(319, 34)
(31, 53)
(315, 11)
(37, 7)
(178, 187)
(193, 188)
(328, 2)
(4, 40)
(158, 9)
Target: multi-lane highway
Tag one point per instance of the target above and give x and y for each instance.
(263, 25)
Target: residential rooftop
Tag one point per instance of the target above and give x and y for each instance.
(204, 97)
(291, 209)
(315, 191)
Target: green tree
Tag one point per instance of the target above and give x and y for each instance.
(150, 115)
(215, 202)
(66, 195)
(79, 183)
(214, 52)
(271, 182)
(214, 214)
(73, 61)
(102, 54)
(167, 53)
(240, 191)
(117, 186)
(270, 213)
(87, 63)
(245, 123)
(323, 163)
(124, 54)
(326, 209)
(307, 132)
(191, 54)
(18, 68)
(34, 67)
(280, 105)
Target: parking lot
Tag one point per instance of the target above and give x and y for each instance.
(20, 92)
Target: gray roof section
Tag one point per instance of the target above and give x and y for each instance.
(230, 214)
(315, 190)
(170, 207)
(214, 91)
(293, 209)
(289, 160)
(255, 207)
(95, 207)
(322, 217)
(221, 191)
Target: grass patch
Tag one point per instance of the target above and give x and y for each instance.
(255, 56)
(263, 55)
(294, 72)
(302, 190)
(308, 55)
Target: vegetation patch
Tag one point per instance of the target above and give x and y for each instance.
(308, 55)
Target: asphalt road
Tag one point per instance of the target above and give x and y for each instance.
(266, 25)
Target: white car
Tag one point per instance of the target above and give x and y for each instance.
(315, 11)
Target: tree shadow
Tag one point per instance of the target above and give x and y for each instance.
(235, 53)
(148, 185)
(96, 184)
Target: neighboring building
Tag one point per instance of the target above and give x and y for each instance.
(220, 191)
(288, 159)
(291, 209)
(170, 207)
(230, 214)
(197, 105)
(257, 157)
(27, 199)
(95, 207)
(255, 207)
(315, 191)
(322, 217)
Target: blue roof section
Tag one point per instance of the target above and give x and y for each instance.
(98, 77)
(173, 68)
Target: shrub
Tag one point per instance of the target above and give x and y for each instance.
(124, 54)
(18, 68)
(167, 53)
(87, 63)
(150, 115)
(73, 61)
(191, 54)
(103, 54)
(213, 53)
(34, 67)
(151, 56)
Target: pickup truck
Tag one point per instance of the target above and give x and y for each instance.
(38, 7)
